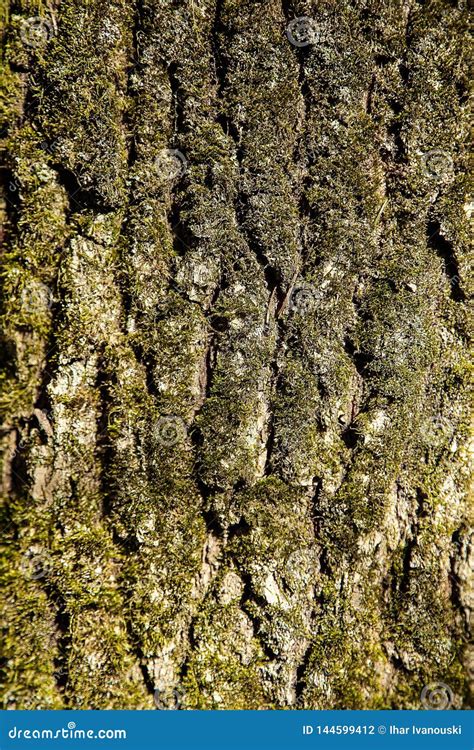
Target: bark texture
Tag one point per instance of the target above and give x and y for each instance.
(235, 371)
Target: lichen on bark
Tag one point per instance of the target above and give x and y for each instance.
(235, 381)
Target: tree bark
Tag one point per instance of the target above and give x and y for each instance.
(235, 382)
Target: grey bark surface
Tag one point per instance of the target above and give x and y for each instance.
(235, 388)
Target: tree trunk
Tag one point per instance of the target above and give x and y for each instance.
(235, 373)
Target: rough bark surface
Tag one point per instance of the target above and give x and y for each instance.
(235, 371)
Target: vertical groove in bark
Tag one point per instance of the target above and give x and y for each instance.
(235, 407)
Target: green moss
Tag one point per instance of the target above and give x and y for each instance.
(226, 668)
(238, 493)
